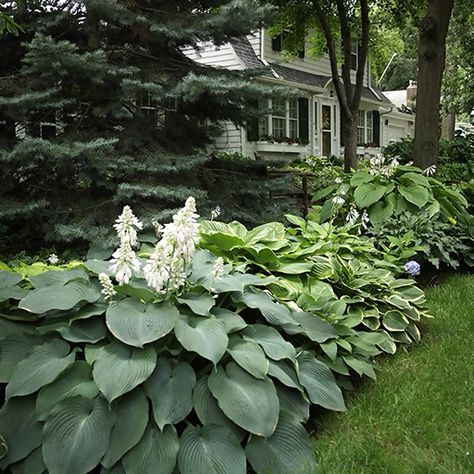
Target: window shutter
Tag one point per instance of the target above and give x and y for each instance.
(252, 125)
(277, 43)
(376, 124)
(341, 133)
(303, 118)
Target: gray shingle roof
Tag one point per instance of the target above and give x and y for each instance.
(250, 60)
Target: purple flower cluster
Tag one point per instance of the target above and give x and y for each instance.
(413, 268)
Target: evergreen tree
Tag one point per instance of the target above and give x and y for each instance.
(99, 106)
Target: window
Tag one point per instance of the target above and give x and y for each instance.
(278, 44)
(354, 56)
(281, 119)
(365, 127)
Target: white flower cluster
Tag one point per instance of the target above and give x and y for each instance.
(166, 268)
(379, 166)
(430, 171)
(125, 263)
(108, 289)
(216, 212)
(352, 216)
(53, 259)
(218, 268)
(338, 201)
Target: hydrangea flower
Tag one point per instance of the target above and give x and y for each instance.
(413, 268)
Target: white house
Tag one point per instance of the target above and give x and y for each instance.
(310, 124)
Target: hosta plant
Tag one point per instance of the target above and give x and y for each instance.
(163, 359)
(335, 275)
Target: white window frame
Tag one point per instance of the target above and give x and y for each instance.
(268, 120)
(367, 127)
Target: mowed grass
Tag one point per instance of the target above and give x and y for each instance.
(418, 417)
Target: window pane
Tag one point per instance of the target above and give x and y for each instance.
(263, 127)
(360, 135)
(369, 119)
(293, 128)
(370, 135)
(361, 118)
(293, 108)
(279, 108)
(278, 127)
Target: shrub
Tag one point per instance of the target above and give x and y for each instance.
(189, 363)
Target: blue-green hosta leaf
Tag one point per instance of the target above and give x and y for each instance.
(3, 447)
(40, 367)
(12, 292)
(32, 464)
(138, 289)
(118, 368)
(88, 330)
(61, 297)
(13, 349)
(416, 194)
(170, 390)
(395, 321)
(199, 304)
(88, 311)
(99, 266)
(205, 335)
(76, 435)
(8, 328)
(74, 381)
(274, 313)
(19, 428)
(249, 402)
(137, 324)
(362, 367)
(367, 194)
(313, 326)
(208, 411)
(54, 277)
(288, 450)
(293, 403)
(9, 279)
(231, 320)
(117, 469)
(132, 419)
(271, 341)
(249, 355)
(285, 372)
(155, 453)
(211, 449)
(330, 348)
(320, 383)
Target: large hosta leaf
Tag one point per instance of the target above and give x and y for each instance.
(285, 372)
(271, 342)
(88, 330)
(13, 349)
(249, 355)
(76, 435)
(9, 279)
(7, 328)
(414, 193)
(208, 411)
(231, 320)
(32, 464)
(198, 303)
(320, 383)
(3, 447)
(314, 327)
(211, 449)
(132, 419)
(205, 335)
(40, 367)
(60, 297)
(155, 453)
(137, 324)
(53, 277)
(249, 402)
(367, 194)
(118, 368)
(19, 428)
(287, 450)
(170, 390)
(76, 380)
(293, 403)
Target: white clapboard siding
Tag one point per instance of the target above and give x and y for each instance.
(254, 40)
(230, 140)
(216, 56)
(398, 127)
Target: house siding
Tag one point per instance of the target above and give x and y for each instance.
(216, 56)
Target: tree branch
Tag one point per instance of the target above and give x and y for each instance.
(347, 49)
(341, 95)
(363, 53)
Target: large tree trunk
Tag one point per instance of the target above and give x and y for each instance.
(350, 144)
(431, 60)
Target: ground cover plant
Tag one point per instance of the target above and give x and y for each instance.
(175, 358)
(417, 418)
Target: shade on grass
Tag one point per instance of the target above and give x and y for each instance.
(418, 417)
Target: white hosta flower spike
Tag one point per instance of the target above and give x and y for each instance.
(126, 226)
(124, 263)
(107, 286)
(53, 259)
(430, 171)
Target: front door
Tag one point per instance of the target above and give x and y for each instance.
(326, 129)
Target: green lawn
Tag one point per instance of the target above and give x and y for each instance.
(418, 417)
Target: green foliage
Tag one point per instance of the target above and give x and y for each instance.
(9, 25)
(112, 109)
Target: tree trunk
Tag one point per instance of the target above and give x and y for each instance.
(431, 60)
(448, 126)
(350, 144)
